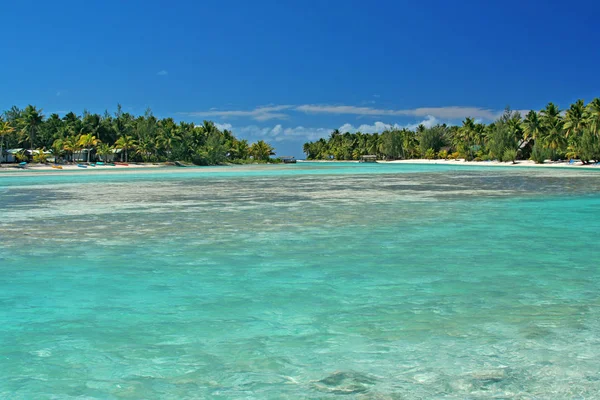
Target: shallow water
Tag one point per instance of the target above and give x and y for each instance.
(301, 281)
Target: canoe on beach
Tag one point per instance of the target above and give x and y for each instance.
(82, 166)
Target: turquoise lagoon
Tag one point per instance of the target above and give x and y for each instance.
(300, 281)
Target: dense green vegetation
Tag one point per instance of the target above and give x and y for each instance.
(143, 138)
(547, 134)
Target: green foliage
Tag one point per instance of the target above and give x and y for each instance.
(588, 147)
(578, 132)
(139, 138)
(261, 151)
(430, 154)
(21, 156)
(432, 138)
(509, 155)
(443, 154)
(505, 134)
(40, 157)
(539, 154)
(391, 144)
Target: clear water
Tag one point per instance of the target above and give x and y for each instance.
(300, 281)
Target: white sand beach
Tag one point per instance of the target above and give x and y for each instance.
(518, 163)
(13, 168)
(73, 167)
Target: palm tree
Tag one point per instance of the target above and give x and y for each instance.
(5, 129)
(532, 125)
(57, 148)
(30, 122)
(70, 146)
(554, 137)
(465, 137)
(261, 150)
(125, 143)
(575, 119)
(88, 142)
(145, 148)
(552, 127)
(104, 150)
(239, 149)
(592, 116)
(167, 137)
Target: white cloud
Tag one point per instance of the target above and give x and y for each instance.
(223, 127)
(162, 72)
(451, 112)
(259, 114)
(265, 113)
(278, 133)
(379, 126)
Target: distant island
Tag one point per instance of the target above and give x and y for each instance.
(26, 135)
(549, 134)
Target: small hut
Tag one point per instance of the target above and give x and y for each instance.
(288, 159)
(368, 159)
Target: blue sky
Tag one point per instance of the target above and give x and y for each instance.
(291, 71)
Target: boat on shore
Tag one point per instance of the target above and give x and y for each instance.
(82, 166)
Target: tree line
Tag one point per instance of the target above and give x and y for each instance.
(136, 138)
(547, 134)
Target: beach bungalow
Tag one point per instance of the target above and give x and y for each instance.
(82, 155)
(368, 159)
(10, 155)
(288, 159)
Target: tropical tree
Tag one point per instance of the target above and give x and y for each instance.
(239, 149)
(575, 120)
(592, 116)
(5, 130)
(104, 150)
(505, 135)
(30, 122)
(391, 143)
(532, 125)
(88, 142)
(261, 150)
(552, 132)
(70, 146)
(57, 149)
(145, 148)
(431, 138)
(40, 156)
(465, 137)
(125, 143)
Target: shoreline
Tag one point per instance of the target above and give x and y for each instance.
(13, 168)
(73, 167)
(459, 162)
